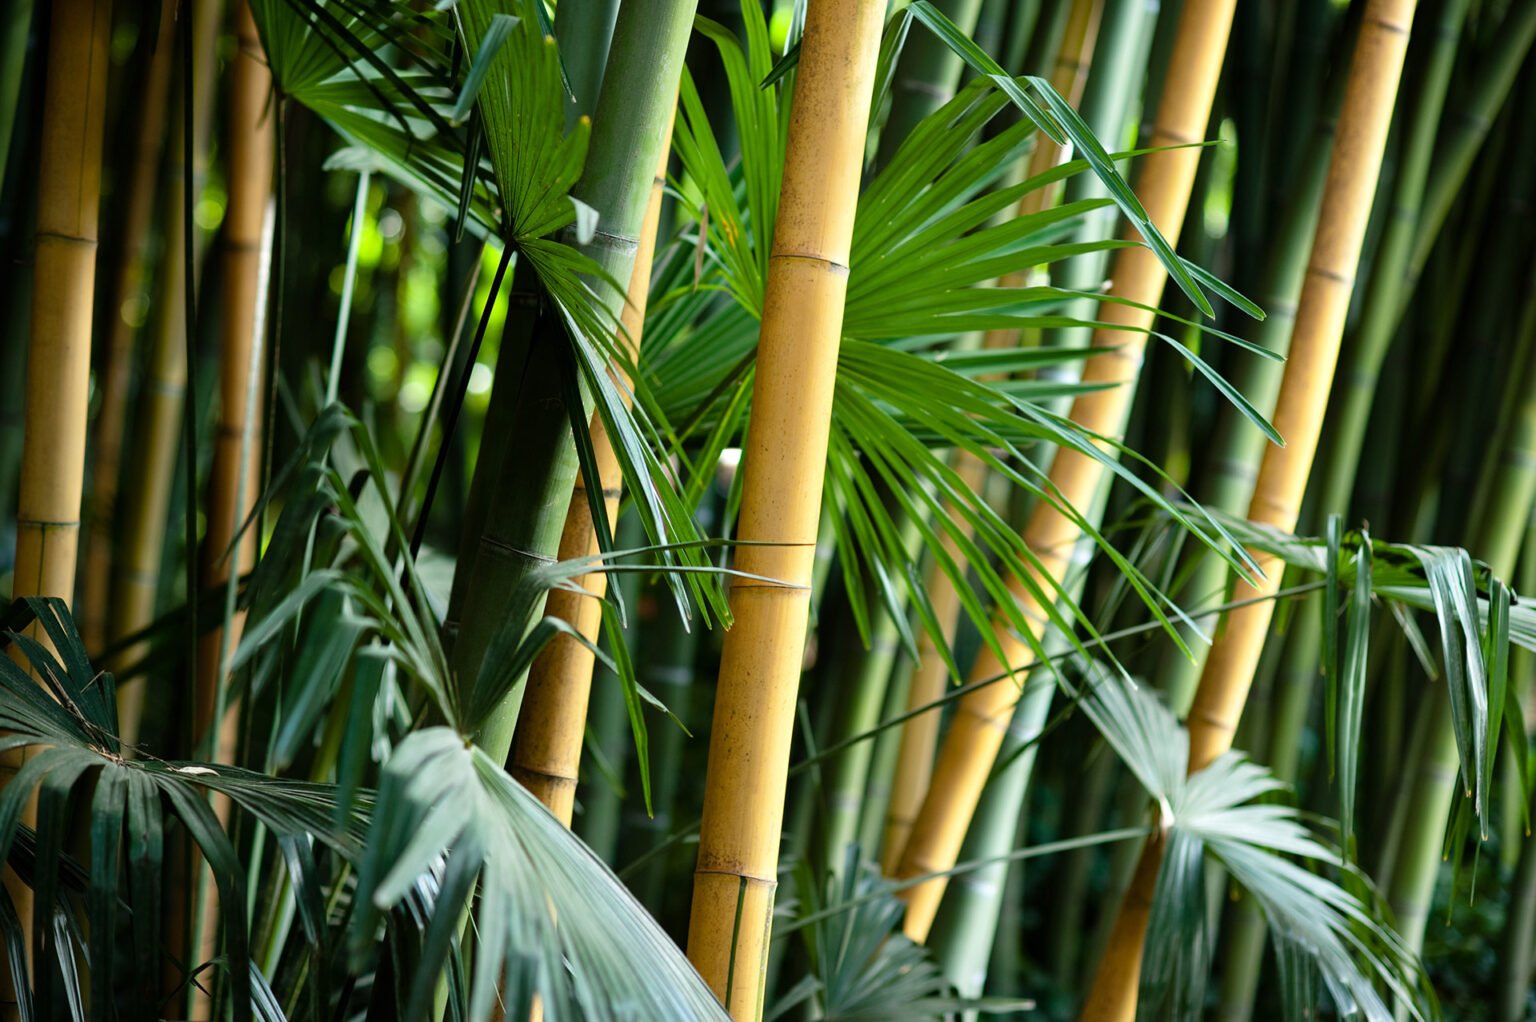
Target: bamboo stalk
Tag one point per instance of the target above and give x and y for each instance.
(927, 73)
(235, 475)
(1226, 481)
(864, 676)
(157, 422)
(736, 875)
(59, 341)
(975, 736)
(546, 751)
(1369, 98)
(520, 496)
(1352, 174)
(13, 61)
(1496, 537)
(59, 346)
(920, 735)
(602, 798)
(126, 291)
(1517, 945)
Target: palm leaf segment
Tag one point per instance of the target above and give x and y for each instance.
(1323, 931)
(552, 919)
(1476, 619)
(928, 245)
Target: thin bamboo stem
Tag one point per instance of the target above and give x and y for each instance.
(981, 720)
(1369, 98)
(1496, 537)
(126, 295)
(235, 475)
(546, 750)
(156, 427)
(737, 871)
(235, 479)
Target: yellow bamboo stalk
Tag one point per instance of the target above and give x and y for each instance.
(1364, 120)
(123, 320)
(736, 875)
(919, 736)
(59, 343)
(976, 734)
(1351, 183)
(1120, 968)
(59, 349)
(157, 421)
(250, 140)
(546, 752)
(232, 493)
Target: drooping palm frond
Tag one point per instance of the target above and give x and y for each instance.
(1475, 617)
(551, 920)
(1321, 927)
(70, 722)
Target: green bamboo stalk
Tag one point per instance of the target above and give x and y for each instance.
(1120, 63)
(869, 671)
(966, 926)
(533, 479)
(1226, 481)
(883, 759)
(1496, 539)
(584, 30)
(1465, 135)
(664, 664)
(1088, 809)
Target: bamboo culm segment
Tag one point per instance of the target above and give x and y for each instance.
(785, 460)
(59, 347)
(981, 720)
(546, 750)
(235, 476)
(1351, 183)
(1369, 97)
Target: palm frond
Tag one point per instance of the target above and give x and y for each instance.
(1266, 850)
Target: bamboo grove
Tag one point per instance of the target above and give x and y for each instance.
(821, 509)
